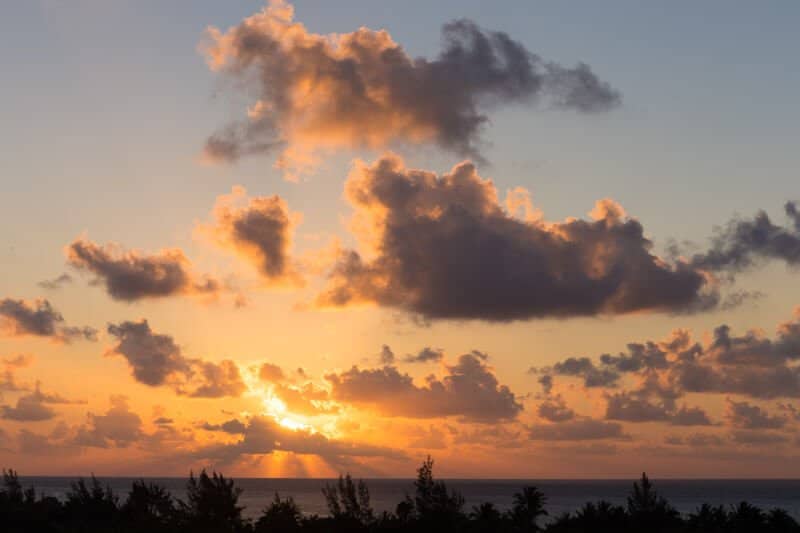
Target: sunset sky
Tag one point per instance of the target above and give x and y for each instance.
(553, 240)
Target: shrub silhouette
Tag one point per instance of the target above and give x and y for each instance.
(212, 506)
(149, 507)
(349, 502)
(280, 516)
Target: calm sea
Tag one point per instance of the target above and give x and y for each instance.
(563, 495)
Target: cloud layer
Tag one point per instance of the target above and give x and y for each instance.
(444, 247)
(361, 89)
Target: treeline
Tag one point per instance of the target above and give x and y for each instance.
(212, 506)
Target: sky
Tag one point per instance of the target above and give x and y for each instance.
(553, 240)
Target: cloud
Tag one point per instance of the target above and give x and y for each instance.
(750, 364)
(425, 355)
(318, 93)
(386, 356)
(469, 390)
(33, 407)
(634, 408)
(745, 415)
(757, 438)
(432, 438)
(577, 430)
(262, 435)
(259, 230)
(133, 275)
(585, 368)
(271, 373)
(56, 283)
(233, 426)
(306, 399)
(555, 410)
(696, 440)
(425, 238)
(743, 243)
(119, 427)
(40, 319)
(155, 359)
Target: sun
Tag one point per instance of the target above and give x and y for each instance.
(276, 408)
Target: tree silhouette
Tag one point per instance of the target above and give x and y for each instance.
(280, 516)
(348, 501)
(212, 504)
(527, 508)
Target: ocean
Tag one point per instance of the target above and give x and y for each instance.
(562, 495)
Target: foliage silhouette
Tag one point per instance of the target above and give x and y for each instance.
(212, 506)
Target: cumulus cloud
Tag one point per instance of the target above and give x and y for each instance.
(577, 430)
(743, 243)
(629, 407)
(750, 364)
(469, 390)
(745, 415)
(39, 318)
(155, 359)
(444, 247)
(555, 410)
(134, 275)
(260, 230)
(362, 90)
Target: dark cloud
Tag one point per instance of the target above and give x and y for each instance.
(634, 408)
(745, 415)
(425, 355)
(585, 368)
(469, 390)
(361, 89)
(233, 426)
(555, 410)
(750, 364)
(742, 243)
(260, 231)
(133, 275)
(155, 359)
(386, 356)
(577, 430)
(38, 318)
(56, 283)
(444, 247)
